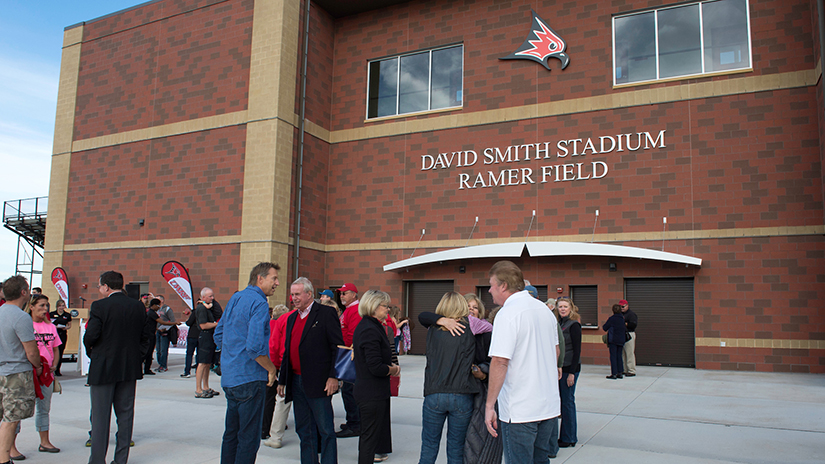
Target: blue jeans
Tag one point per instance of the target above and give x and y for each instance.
(162, 345)
(457, 409)
(521, 441)
(244, 418)
(191, 345)
(311, 414)
(568, 431)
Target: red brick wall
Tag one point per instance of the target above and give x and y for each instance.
(188, 185)
(165, 62)
(489, 30)
(320, 66)
(743, 161)
(762, 287)
(214, 266)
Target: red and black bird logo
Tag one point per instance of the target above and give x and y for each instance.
(542, 44)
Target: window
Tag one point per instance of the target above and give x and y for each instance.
(417, 82)
(681, 41)
(586, 298)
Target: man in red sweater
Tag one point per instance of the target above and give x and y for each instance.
(349, 321)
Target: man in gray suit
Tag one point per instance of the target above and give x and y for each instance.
(117, 339)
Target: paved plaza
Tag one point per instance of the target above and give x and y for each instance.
(663, 415)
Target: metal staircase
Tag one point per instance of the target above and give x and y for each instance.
(27, 219)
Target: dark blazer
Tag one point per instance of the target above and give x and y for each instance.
(373, 357)
(116, 340)
(615, 329)
(317, 350)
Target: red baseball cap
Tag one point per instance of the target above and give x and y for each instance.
(622, 302)
(348, 287)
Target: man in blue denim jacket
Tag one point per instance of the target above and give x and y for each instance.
(243, 336)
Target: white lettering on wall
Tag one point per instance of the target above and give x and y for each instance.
(565, 172)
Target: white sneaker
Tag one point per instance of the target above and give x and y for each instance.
(272, 442)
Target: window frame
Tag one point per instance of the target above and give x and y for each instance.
(429, 83)
(703, 73)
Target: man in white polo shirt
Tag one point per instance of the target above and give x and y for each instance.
(523, 373)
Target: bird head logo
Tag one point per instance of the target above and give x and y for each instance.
(542, 43)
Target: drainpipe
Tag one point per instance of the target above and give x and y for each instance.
(301, 130)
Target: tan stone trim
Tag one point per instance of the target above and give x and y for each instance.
(61, 153)
(599, 238)
(740, 343)
(581, 105)
(682, 78)
(67, 91)
(419, 113)
(653, 96)
(629, 237)
(761, 343)
(271, 123)
(166, 130)
(172, 242)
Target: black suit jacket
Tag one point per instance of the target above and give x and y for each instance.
(373, 357)
(116, 340)
(317, 350)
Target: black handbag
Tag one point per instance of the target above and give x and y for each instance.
(173, 334)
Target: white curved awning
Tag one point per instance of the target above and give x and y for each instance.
(536, 249)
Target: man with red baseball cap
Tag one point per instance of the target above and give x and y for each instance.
(629, 351)
(349, 320)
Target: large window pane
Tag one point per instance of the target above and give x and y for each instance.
(725, 25)
(635, 48)
(383, 89)
(679, 42)
(446, 78)
(414, 83)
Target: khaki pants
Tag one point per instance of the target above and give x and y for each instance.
(629, 354)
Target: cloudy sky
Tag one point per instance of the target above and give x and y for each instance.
(31, 37)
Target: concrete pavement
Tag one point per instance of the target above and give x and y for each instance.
(663, 415)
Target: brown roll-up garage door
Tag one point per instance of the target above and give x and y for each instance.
(423, 296)
(665, 334)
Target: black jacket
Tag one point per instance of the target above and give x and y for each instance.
(317, 350)
(373, 357)
(630, 320)
(449, 361)
(117, 339)
(615, 330)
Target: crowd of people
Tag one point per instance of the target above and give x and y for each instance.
(503, 380)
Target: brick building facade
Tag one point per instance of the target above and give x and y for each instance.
(186, 115)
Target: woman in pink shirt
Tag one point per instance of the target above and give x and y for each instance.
(48, 341)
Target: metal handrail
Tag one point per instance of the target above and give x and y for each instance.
(40, 208)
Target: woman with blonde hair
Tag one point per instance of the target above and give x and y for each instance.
(372, 355)
(571, 329)
(449, 385)
(476, 306)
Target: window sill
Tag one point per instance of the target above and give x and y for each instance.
(592, 327)
(681, 78)
(407, 115)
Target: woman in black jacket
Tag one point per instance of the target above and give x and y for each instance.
(571, 329)
(615, 329)
(449, 385)
(372, 356)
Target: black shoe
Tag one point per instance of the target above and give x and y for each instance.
(148, 373)
(611, 377)
(627, 374)
(344, 426)
(347, 433)
(564, 444)
(619, 377)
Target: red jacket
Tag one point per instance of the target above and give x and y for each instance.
(277, 338)
(349, 321)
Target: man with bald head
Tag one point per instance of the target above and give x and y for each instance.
(205, 318)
